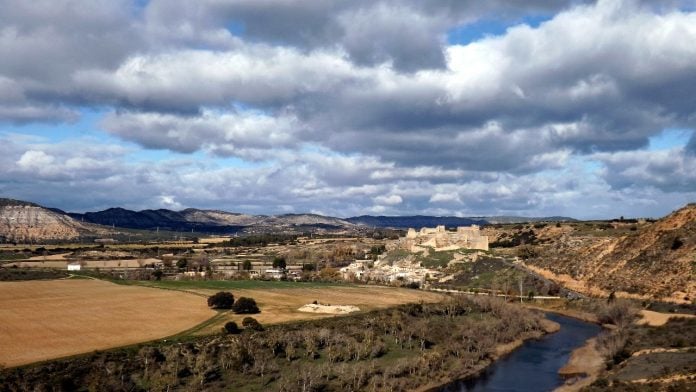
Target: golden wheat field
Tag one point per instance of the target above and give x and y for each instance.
(41, 320)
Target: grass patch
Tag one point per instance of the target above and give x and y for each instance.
(436, 259)
(7, 256)
(189, 333)
(228, 284)
(396, 255)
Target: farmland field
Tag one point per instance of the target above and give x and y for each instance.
(36, 262)
(279, 301)
(48, 319)
(42, 320)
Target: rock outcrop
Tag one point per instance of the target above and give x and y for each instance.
(27, 222)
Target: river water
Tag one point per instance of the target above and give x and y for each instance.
(534, 366)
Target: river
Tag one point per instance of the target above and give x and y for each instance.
(534, 366)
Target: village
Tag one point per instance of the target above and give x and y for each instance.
(354, 259)
(407, 270)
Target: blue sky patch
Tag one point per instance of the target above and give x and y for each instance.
(483, 28)
(669, 139)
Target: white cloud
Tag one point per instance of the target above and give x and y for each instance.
(388, 200)
(35, 160)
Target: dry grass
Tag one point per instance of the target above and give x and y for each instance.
(41, 320)
(61, 256)
(655, 319)
(282, 304)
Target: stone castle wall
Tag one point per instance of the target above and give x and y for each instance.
(440, 239)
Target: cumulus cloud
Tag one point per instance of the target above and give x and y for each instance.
(355, 105)
(388, 199)
(602, 77)
(671, 170)
(225, 134)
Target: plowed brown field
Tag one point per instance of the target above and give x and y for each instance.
(48, 319)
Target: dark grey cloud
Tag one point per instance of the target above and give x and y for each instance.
(225, 134)
(668, 170)
(410, 34)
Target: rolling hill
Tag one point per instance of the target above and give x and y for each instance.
(25, 220)
(22, 221)
(657, 260)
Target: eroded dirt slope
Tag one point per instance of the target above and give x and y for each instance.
(25, 222)
(658, 260)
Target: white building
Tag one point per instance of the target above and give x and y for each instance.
(74, 267)
(276, 273)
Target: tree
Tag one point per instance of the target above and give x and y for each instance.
(252, 323)
(221, 300)
(279, 262)
(245, 305)
(231, 328)
(677, 243)
(530, 295)
(182, 264)
(246, 265)
(527, 252)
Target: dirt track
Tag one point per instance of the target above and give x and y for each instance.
(656, 319)
(48, 319)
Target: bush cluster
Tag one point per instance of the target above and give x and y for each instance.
(225, 300)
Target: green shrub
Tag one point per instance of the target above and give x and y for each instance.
(231, 328)
(221, 300)
(245, 305)
(252, 323)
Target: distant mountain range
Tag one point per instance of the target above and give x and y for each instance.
(15, 213)
(222, 221)
(416, 221)
(212, 221)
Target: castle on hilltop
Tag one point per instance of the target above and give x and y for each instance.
(440, 239)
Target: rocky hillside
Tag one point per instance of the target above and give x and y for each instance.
(219, 218)
(657, 260)
(306, 220)
(26, 222)
(215, 221)
(162, 219)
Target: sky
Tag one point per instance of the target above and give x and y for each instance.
(348, 107)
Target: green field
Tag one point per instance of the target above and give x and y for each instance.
(228, 284)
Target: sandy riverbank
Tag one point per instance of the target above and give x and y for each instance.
(583, 367)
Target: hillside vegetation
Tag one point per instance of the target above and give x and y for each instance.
(656, 260)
